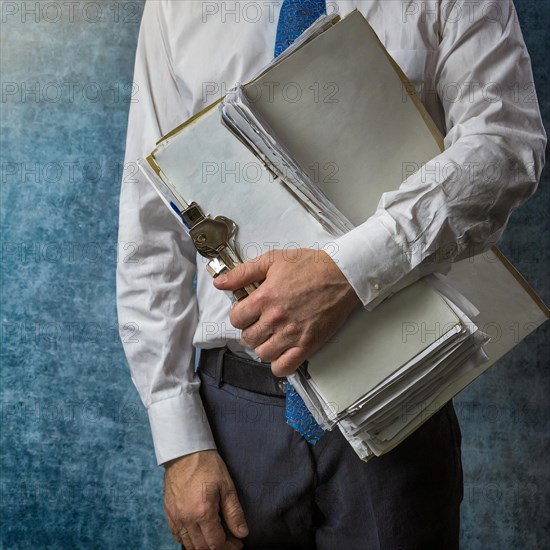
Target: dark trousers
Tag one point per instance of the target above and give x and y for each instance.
(301, 496)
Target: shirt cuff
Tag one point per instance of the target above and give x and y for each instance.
(179, 426)
(372, 258)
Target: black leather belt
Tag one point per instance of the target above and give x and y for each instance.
(247, 374)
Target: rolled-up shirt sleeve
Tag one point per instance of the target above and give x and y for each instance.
(459, 203)
(157, 305)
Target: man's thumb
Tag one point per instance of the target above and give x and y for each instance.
(244, 274)
(233, 514)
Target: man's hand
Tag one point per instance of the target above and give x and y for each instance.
(303, 300)
(197, 491)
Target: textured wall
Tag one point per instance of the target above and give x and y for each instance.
(77, 465)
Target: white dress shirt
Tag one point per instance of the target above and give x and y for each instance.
(469, 63)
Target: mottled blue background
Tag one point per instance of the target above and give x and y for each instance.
(78, 468)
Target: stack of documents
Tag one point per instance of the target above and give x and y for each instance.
(405, 367)
(386, 371)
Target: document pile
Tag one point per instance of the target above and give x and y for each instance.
(387, 370)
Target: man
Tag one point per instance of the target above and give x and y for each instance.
(236, 472)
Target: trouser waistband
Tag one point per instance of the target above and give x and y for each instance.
(227, 368)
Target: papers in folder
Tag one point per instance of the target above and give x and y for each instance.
(388, 370)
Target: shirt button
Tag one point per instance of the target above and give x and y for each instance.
(375, 283)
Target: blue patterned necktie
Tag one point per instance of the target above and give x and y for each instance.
(295, 17)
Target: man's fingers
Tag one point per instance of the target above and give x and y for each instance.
(244, 274)
(257, 334)
(184, 538)
(273, 320)
(177, 529)
(192, 538)
(233, 543)
(245, 313)
(288, 361)
(233, 514)
(213, 532)
(283, 338)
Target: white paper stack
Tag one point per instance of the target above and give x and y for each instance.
(405, 390)
(403, 365)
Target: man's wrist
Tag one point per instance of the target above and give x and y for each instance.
(371, 259)
(184, 458)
